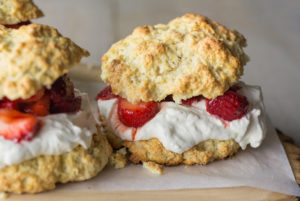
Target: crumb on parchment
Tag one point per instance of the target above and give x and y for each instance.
(3, 195)
(118, 159)
(153, 167)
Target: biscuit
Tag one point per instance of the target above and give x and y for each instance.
(16, 11)
(42, 173)
(34, 56)
(190, 56)
(206, 151)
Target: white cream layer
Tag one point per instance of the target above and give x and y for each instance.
(180, 127)
(59, 133)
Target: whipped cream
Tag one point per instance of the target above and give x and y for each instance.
(59, 133)
(180, 127)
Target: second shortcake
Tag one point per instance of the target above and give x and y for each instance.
(174, 94)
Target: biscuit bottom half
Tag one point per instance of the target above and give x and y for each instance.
(203, 153)
(152, 150)
(43, 172)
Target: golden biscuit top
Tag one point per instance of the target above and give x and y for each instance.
(190, 56)
(34, 56)
(16, 11)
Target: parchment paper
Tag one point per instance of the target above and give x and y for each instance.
(266, 167)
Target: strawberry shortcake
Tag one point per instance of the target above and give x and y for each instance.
(174, 95)
(48, 133)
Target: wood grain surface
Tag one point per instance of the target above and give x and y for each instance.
(222, 194)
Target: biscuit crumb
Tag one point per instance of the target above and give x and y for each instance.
(3, 195)
(153, 167)
(118, 159)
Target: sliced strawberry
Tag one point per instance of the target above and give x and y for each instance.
(16, 26)
(5, 103)
(106, 94)
(40, 93)
(136, 115)
(61, 89)
(192, 100)
(40, 107)
(229, 107)
(62, 96)
(17, 126)
(66, 106)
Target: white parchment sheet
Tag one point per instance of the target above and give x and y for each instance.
(266, 167)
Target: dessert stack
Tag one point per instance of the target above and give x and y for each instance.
(174, 95)
(48, 134)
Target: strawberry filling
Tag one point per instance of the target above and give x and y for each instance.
(18, 118)
(41, 107)
(192, 100)
(228, 107)
(131, 115)
(62, 97)
(17, 126)
(136, 115)
(16, 26)
(106, 94)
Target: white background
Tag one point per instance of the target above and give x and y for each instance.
(272, 28)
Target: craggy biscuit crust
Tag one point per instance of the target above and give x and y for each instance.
(16, 11)
(203, 153)
(189, 56)
(42, 173)
(34, 56)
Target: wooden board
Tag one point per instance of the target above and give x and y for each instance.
(222, 194)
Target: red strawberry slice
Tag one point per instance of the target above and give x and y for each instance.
(40, 107)
(16, 26)
(5, 103)
(61, 89)
(192, 100)
(229, 107)
(136, 115)
(66, 106)
(106, 94)
(17, 126)
(62, 96)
